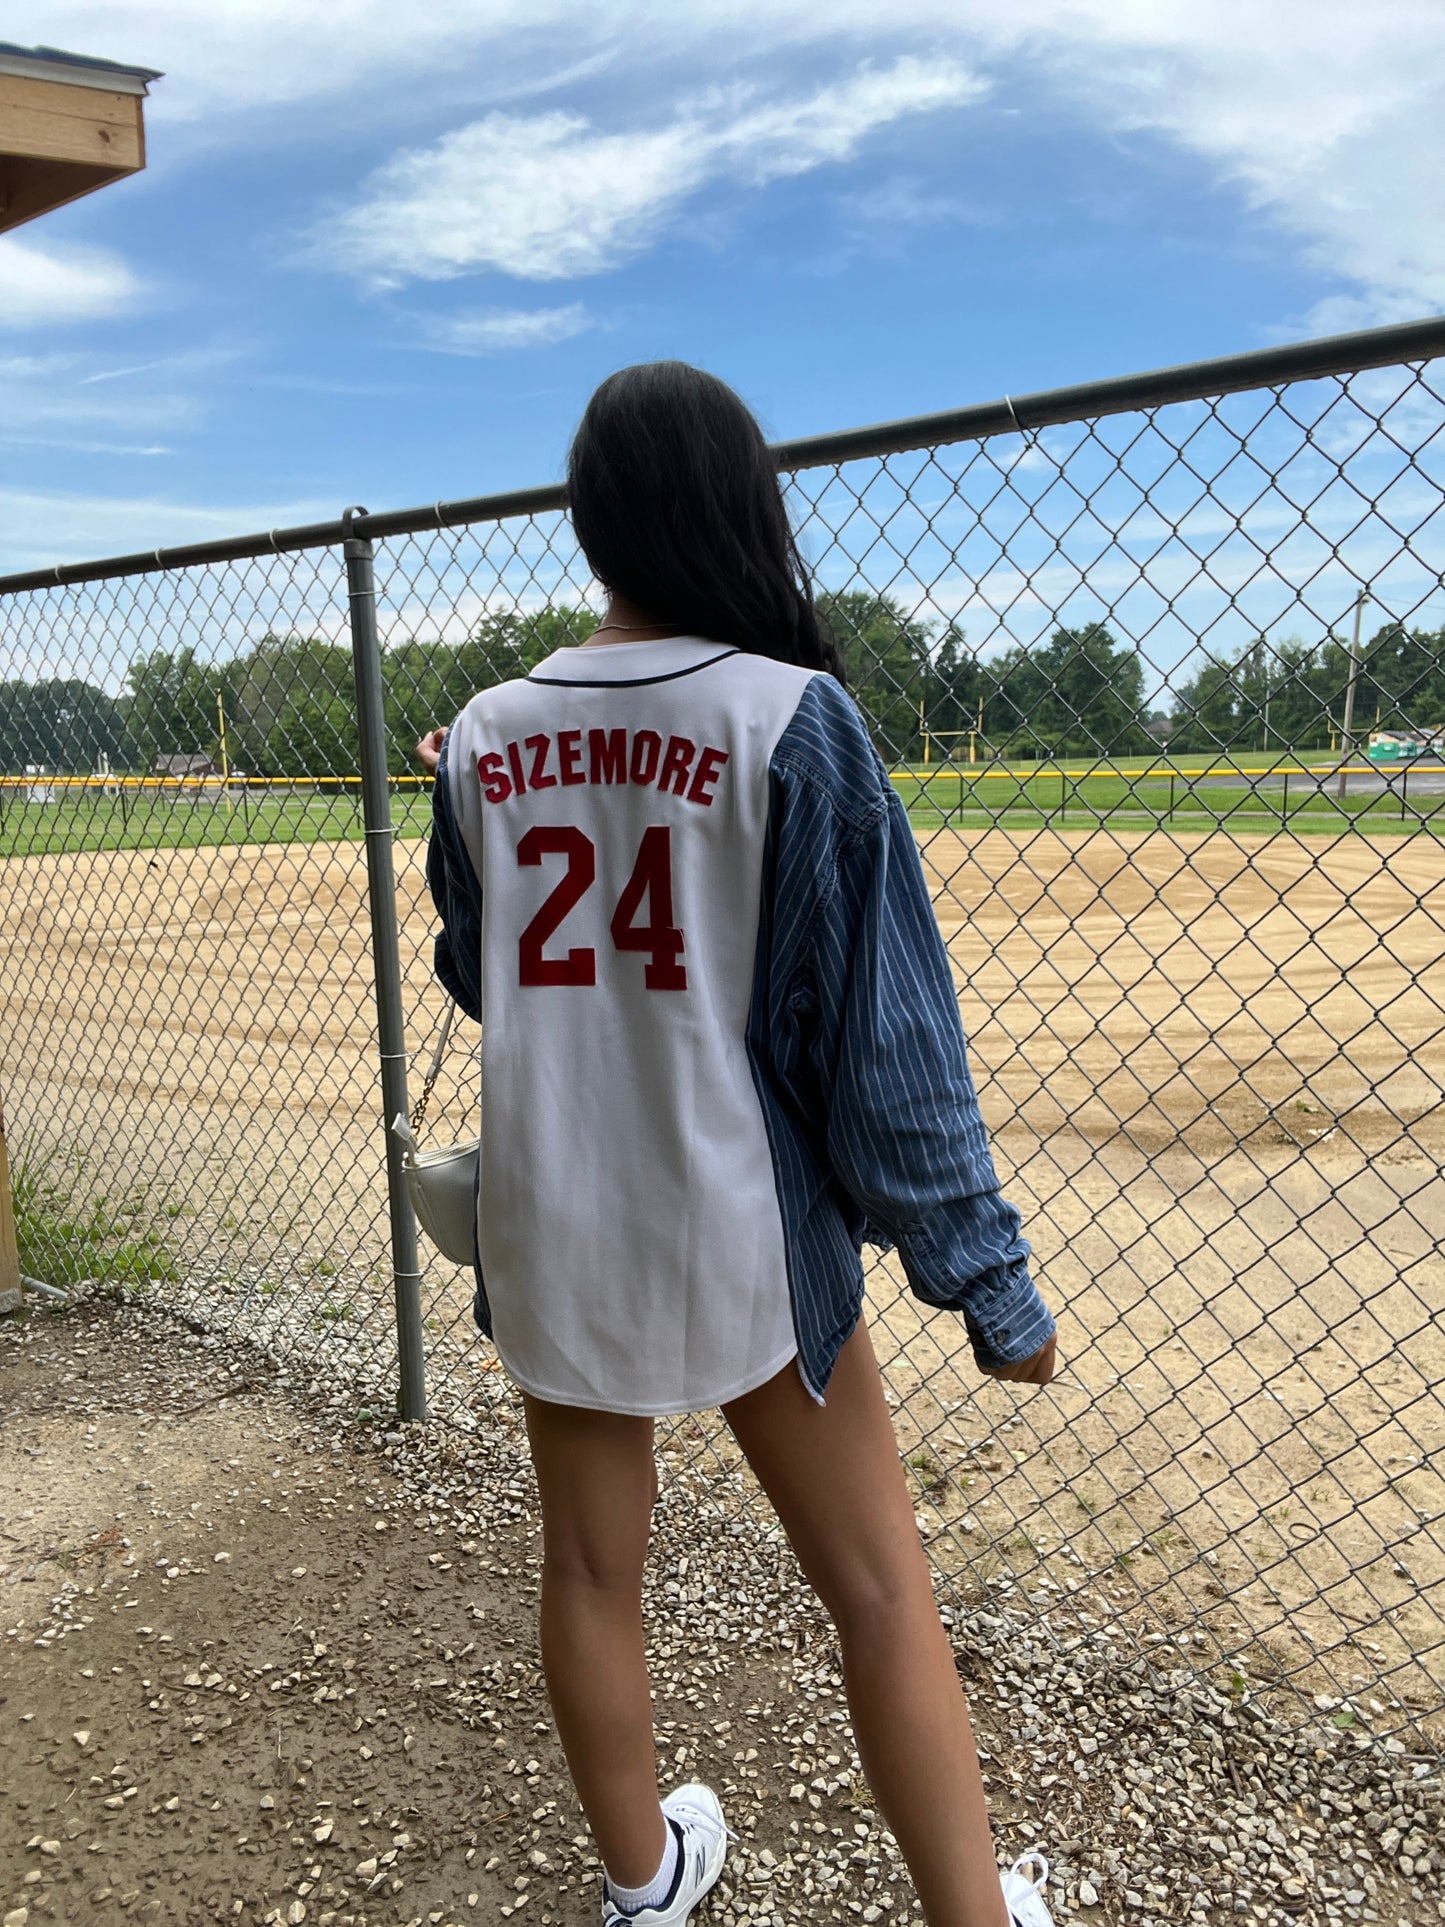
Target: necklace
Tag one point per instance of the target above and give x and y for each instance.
(631, 627)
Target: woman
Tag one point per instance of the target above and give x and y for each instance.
(720, 1048)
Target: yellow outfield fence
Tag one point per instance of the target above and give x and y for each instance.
(930, 772)
(915, 772)
(221, 784)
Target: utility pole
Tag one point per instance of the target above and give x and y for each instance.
(1346, 740)
(225, 765)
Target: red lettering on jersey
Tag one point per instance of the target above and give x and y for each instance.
(659, 938)
(709, 768)
(646, 748)
(578, 966)
(607, 752)
(514, 757)
(539, 745)
(611, 756)
(569, 755)
(676, 762)
(495, 785)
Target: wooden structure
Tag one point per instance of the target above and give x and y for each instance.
(68, 125)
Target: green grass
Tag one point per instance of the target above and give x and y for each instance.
(90, 820)
(61, 1242)
(1133, 794)
(1026, 798)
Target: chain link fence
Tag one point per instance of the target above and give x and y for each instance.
(1159, 667)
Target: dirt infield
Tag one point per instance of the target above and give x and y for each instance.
(1213, 1067)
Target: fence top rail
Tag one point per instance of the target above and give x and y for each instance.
(1084, 401)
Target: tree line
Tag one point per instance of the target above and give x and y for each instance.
(1292, 696)
(289, 709)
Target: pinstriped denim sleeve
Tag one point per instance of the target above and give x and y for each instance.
(457, 894)
(904, 1134)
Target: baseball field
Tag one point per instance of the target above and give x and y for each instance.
(1213, 1065)
(1251, 793)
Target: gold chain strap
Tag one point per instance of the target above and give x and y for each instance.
(433, 1071)
(418, 1110)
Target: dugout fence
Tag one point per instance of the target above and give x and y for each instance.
(1203, 982)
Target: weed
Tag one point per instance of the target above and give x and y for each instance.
(62, 1241)
(931, 1471)
(987, 1563)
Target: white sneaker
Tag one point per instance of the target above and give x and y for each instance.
(1025, 1892)
(702, 1840)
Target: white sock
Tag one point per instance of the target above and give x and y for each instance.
(633, 1899)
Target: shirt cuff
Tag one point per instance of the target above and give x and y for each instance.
(1007, 1319)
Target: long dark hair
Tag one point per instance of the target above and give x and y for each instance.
(676, 503)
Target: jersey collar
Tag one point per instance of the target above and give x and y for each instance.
(629, 661)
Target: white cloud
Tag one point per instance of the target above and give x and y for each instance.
(548, 197)
(42, 528)
(1330, 117)
(42, 285)
(86, 447)
(119, 374)
(541, 198)
(491, 331)
(77, 397)
(901, 202)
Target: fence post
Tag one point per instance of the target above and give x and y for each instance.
(9, 1252)
(386, 955)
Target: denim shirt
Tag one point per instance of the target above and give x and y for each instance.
(856, 1047)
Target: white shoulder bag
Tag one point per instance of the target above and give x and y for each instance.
(442, 1184)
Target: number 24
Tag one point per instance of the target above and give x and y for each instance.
(659, 939)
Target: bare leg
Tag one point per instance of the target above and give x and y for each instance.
(835, 1479)
(598, 1479)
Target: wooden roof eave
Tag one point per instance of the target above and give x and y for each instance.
(59, 140)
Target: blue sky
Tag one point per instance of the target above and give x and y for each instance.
(382, 254)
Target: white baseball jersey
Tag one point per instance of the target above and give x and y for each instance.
(721, 1044)
(628, 1224)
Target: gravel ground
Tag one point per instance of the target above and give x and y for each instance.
(263, 1659)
